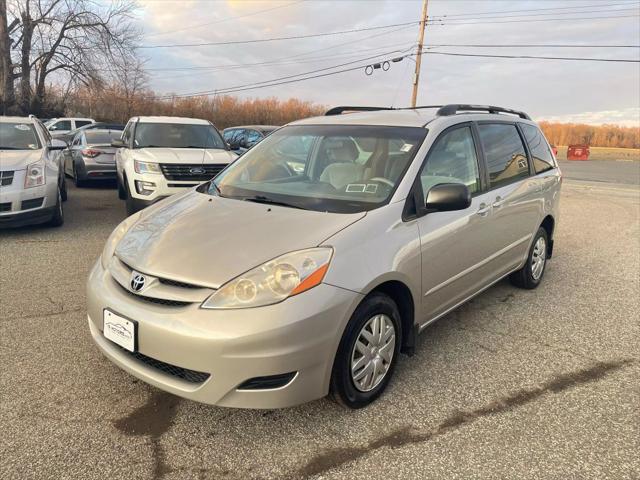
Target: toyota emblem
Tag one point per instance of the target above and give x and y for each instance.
(137, 281)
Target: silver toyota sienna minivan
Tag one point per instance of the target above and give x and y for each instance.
(311, 263)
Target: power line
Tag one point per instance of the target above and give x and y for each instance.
(542, 9)
(583, 59)
(519, 45)
(447, 17)
(447, 23)
(273, 39)
(224, 89)
(307, 75)
(324, 58)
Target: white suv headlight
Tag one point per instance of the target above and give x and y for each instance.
(273, 281)
(35, 175)
(146, 167)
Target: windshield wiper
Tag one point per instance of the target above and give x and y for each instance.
(270, 201)
(14, 148)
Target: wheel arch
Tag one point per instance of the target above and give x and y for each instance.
(549, 224)
(401, 294)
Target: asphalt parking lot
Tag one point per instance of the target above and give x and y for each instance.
(515, 384)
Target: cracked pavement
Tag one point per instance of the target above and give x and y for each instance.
(514, 384)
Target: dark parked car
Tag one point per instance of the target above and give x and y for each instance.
(240, 139)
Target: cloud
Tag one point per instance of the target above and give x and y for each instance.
(543, 88)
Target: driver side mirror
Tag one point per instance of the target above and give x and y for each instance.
(118, 143)
(447, 197)
(57, 144)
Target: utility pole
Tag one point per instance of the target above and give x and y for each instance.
(416, 76)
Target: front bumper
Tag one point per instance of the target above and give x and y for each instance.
(162, 187)
(27, 206)
(299, 335)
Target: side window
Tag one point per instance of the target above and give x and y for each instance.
(452, 159)
(253, 137)
(82, 123)
(542, 157)
(228, 135)
(126, 134)
(504, 152)
(61, 125)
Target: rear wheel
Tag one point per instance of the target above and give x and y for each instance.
(76, 180)
(368, 352)
(530, 275)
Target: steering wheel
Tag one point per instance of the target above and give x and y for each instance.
(382, 180)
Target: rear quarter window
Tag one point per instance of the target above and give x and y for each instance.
(540, 151)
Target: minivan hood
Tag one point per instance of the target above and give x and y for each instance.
(18, 159)
(183, 155)
(208, 240)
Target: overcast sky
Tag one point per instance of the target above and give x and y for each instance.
(591, 92)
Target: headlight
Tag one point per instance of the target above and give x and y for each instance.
(115, 237)
(274, 280)
(146, 167)
(35, 175)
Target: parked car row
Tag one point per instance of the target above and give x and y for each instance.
(149, 157)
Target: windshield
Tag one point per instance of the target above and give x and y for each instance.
(176, 135)
(18, 136)
(335, 168)
(98, 137)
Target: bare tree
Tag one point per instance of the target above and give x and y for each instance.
(69, 41)
(7, 75)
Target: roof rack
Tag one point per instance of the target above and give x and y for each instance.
(341, 110)
(453, 109)
(443, 110)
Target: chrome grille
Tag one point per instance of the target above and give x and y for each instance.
(6, 178)
(158, 301)
(190, 172)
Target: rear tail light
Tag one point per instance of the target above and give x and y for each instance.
(90, 152)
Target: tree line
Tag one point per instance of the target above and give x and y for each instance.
(594, 135)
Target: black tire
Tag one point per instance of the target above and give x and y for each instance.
(130, 202)
(78, 182)
(63, 189)
(525, 278)
(342, 388)
(58, 215)
(122, 194)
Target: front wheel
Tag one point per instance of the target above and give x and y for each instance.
(130, 202)
(58, 215)
(368, 352)
(530, 275)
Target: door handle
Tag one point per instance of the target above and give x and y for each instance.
(483, 210)
(499, 201)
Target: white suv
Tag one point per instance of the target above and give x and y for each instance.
(60, 126)
(160, 156)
